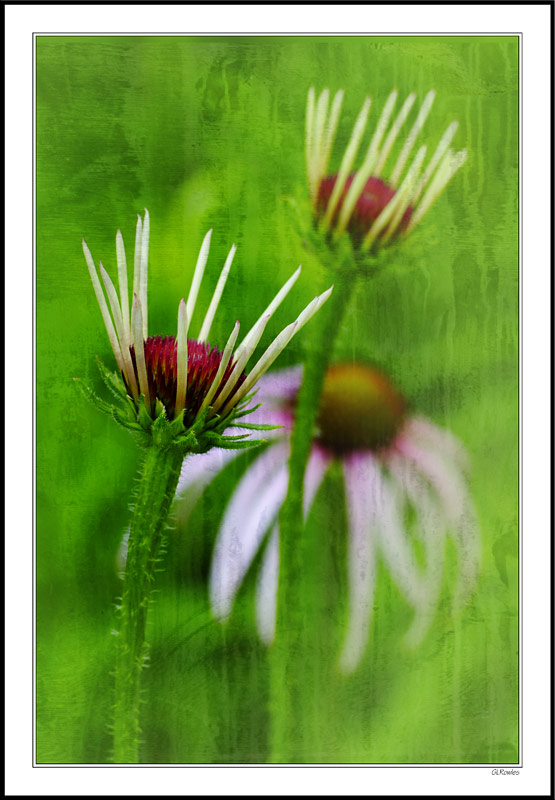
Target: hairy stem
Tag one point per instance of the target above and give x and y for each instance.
(288, 737)
(157, 484)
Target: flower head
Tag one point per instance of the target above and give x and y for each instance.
(385, 198)
(393, 463)
(177, 389)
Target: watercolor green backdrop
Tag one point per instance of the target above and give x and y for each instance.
(208, 132)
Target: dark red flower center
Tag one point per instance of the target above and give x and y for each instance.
(360, 409)
(202, 365)
(374, 198)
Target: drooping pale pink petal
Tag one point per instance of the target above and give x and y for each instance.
(250, 512)
(361, 487)
(279, 386)
(316, 469)
(266, 589)
(199, 470)
(431, 530)
(395, 545)
(458, 507)
(440, 440)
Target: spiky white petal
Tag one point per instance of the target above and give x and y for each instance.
(128, 370)
(278, 299)
(393, 134)
(411, 138)
(123, 289)
(198, 274)
(137, 326)
(226, 357)
(347, 162)
(103, 306)
(182, 325)
(211, 313)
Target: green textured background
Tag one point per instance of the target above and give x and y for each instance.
(208, 132)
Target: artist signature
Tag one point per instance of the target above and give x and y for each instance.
(505, 772)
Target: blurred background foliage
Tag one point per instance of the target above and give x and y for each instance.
(208, 132)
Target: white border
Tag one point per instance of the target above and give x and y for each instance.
(533, 21)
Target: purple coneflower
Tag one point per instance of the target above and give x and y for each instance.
(392, 461)
(380, 201)
(177, 377)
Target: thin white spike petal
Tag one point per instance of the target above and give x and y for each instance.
(181, 357)
(390, 209)
(319, 133)
(280, 342)
(347, 162)
(440, 151)
(280, 296)
(128, 370)
(210, 314)
(103, 306)
(331, 130)
(367, 169)
(137, 257)
(394, 133)
(123, 289)
(442, 177)
(144, 273)
(309, 125)
(137, 325)
(411, 138)
(240, 363)
(407, 195)
(226, 356)
(199, 272)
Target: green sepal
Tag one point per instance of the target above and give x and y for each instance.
(254, 427)
(112, 380)
(143, 415)
(102, 405)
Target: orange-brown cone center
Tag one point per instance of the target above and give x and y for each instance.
(360, 409)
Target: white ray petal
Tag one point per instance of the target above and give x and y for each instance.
(393, 134)
(404, 195)
(319, 132)
(278, 299)
(450, 165)
(280, 342)
(267, 588)
(360, 477)
(411, 138)
(123, 288)
(198, 274)
(103, 307)
(251, 510)
(331, 130)
(367, 168)
(129, 372)
(347, 162)
(226, 357)
(182, 325)
(199, 470)
(309, 144)
(137, 326)
(396, 201)
(237, 371)
(211, 313)
(435, 160)
(143, 287)
(137, 257)
(458, 508)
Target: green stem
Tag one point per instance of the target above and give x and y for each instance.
(289, 738)
(157, 485)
